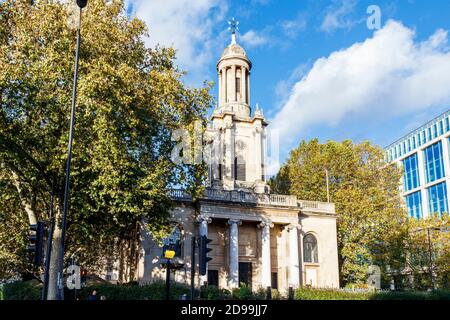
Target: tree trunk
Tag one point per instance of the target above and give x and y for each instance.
(53, 291)
(24, 200)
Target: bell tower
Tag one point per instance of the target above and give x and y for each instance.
(239, 144)
(233, 71)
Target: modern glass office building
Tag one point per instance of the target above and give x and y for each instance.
(424, 156)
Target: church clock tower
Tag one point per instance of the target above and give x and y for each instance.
(239, 146)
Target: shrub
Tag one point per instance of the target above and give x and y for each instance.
(260, 294)
(214, 293)
(328, 294)
(22, 290)
(242, 293)
(276, 294)
(153, 291)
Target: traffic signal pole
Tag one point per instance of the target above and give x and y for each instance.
(193, 266)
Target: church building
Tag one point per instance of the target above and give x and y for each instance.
(259, 239)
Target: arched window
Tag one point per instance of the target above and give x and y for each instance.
(310, 252)
(174, 241)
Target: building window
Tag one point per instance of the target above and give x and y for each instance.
(220, 171)
(447, 125)
(441, 127)
(419, 141)
(437, 198)
(435, 131)
(239, 169)
(174, 242)
(310, 252)
(430, 136)
(414, 205)
(410, 173)
(274, 280)
(245, 274)
(213, 278)
(434, 162)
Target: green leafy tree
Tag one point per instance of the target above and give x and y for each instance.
(428, 248)
(130, 98)
(370, 220)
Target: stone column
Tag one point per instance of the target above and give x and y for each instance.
(258, 152)
(233, 281)
(294, 268)
(423, 182)
(233, 84)
(203, 231)
(224, 85)
(266, 269)
(248, 87)
(217, 151)
(263, 154)
(229, 151)
(243, 85)
(220, 86)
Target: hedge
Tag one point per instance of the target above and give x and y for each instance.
(22, 290)
(329, 294)
(31, 290)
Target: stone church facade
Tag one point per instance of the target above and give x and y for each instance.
(258, 238)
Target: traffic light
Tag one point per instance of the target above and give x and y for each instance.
(203, 253)
(36, 242)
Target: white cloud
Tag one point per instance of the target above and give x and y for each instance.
(336, 17)
(292, 28)
(387, 75)
(187, 26)
(253, 39)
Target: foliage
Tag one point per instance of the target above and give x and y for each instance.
(214, 293)
(428, 247)
(18, 290)
(130, 99)
(370, 220)
(242, 293)
(330, 294)
(153, 291)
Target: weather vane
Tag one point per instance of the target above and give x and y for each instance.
(233, 28)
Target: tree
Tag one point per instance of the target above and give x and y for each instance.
(428, 248)
(130, 98)
(370, 220)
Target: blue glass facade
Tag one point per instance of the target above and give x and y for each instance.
(424, 153)
(410, 173)
(437, 198)
(432, 130)
(414, 205)
(434, 162)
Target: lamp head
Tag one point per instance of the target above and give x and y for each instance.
(82, 3)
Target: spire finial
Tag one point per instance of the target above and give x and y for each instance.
(233, 28)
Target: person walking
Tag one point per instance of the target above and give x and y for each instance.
(93, 295)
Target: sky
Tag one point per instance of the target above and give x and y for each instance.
(321, 69)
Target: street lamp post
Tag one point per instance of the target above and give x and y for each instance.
(81, 4)
(168, 254)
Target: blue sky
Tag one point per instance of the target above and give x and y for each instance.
(318, 71)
